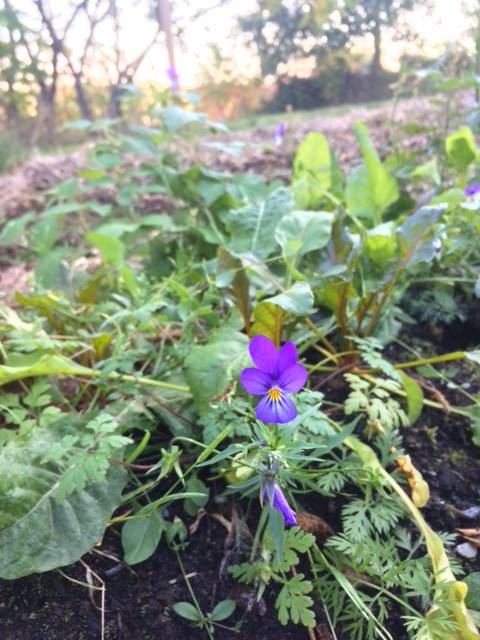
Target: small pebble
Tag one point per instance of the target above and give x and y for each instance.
(472, 512)
(467, 550)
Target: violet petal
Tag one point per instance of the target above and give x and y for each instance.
(293, 379)
(279, 411)
(255, 382)
(264, 354)
(287, 357)
(280, 503)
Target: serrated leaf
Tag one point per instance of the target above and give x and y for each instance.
(37, 533)
(293, 604)
(473, 597)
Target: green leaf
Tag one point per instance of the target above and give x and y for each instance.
(38, 533)
(414, 397)
(140, 537)
(48, 269)
(428, 171)
(334, 294)
(276, 528)
(14, 229)
(268, 321)
(371, 189)
(473, 597)
(461, 149)
(415, 235)
(293, 603)
(46, 365)
(473, 356)
(210, 368)
(230, 273)
(252, 228)
(44, 235)
(303, 231)
(380, 247)
(313, 159)
(223, 610)
(298, 299)
(111, 248)
(315, 171)
(187, 611)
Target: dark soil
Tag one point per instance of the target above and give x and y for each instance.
(138, 602)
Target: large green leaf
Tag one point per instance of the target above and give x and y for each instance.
(296, 299)
(415, 235)
(37, 532)
(111, 248)
(313, 158)
(300, 232)
(371, 189)
(461, 149)
(252, 228)
(315, 171)
(211, 367)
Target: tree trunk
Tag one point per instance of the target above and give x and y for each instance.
(45, 126)
(82, 99)
(376, 65)
(114, 104)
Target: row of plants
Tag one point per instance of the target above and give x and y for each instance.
(127, 372)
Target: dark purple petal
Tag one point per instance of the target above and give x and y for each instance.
(276, 411)
(293, 379)
(255, 382)
(280, 503)
(473, 190)
(287, 357)
(264, 354)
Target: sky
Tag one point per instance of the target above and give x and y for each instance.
(445, 23)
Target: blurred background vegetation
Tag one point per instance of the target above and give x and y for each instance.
(96, 59)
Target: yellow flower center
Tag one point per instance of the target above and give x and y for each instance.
(274, 394)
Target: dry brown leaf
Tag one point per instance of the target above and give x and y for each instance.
(315, 525)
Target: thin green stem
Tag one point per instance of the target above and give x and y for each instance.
(147, 382)
(447, 357)
(193, 596)
(326, 342)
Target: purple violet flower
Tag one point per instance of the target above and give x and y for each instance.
(273, 495)
(174, 79)
(279, 133)
(473, 190)
(277, 374)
